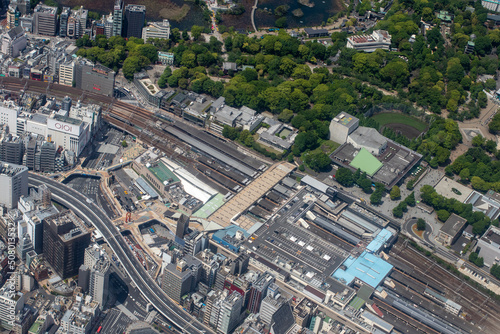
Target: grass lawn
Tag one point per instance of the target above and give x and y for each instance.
(394, 118)
(417, 232)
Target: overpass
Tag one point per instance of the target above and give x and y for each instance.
(91, 213)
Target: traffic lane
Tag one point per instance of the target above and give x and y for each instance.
(111, 238)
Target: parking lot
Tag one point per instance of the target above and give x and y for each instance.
(287, 242)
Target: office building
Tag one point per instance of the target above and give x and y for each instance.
(23, 6)
(14, 41)
(66, 103)
(75, 323)
(84, 278)
(271, 303)
(118, 18)
(77, 23)
(258, 291)
(24, 319)
(13, 182)
(195, 242)
(45, 20)
(229, 313)
(13, 15)
(108, 25)
(282, 320)
(9, 302)
(176, 280)
(94, 78)
(304, 311)
(8, 116)
(65, 238)
(67, 73)
(182, 225)
(156, 30)
(11, 149)
(63, 21)
(47, 157)
(98, 264)
(135, 16)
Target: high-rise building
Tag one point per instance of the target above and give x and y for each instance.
(135, 16)
(30, 154)
(98, 264)
(47, 157)
(194, 243)
(156, 30)
(23, 6)
(282, 320)
(182, 226)
(118, 18)
(258, 291)
(45, 20)
(229, 313)
(67, 73)
(63, 21)
(66, 103)
(108, 25)
(94, 78)
(10, 303)
(13, 182)
(14, 41)
(65, 238)
(13, 15)
(11, 150)
(84, 278)
(271, 303)
(176, 280)
(8, 116)
(304, 311)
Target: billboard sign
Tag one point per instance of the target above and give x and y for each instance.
(60, 126)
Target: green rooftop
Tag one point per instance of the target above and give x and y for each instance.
(163, 173)
(357, 303)
(35, 328)
(365, 161)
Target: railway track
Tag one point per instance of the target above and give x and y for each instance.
(132, 119)
(382, 305)
(479, 306)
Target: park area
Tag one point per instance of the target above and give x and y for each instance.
(406, 125)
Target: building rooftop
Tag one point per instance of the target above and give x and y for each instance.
(41, 8)
(163, 173)
(11, 169)
(310, 31)
(368, 268)
(368, 137)
(365, 161)
(345, 119)
(135, 8)
(453, 224)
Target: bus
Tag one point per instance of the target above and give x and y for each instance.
(99, 329)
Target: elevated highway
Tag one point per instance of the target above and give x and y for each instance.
(89, 212)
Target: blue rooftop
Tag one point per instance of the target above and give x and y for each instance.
(368, 268)
(376, 244)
